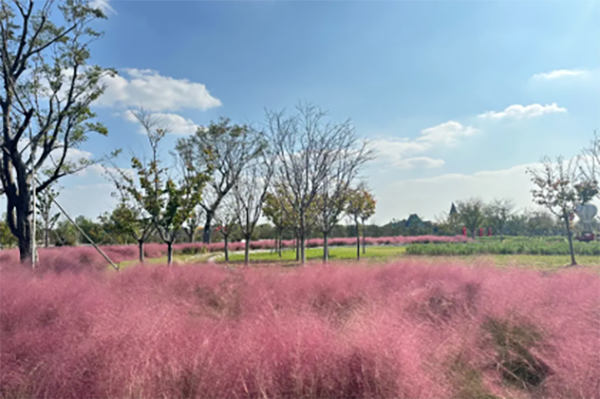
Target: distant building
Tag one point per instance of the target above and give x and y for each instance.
(453, 210)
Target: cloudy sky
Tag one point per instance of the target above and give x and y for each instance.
(457, 98)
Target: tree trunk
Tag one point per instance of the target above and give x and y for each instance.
(302, 238)
(570, 237)
(25, 253)
(191, 235)
(280, 243)
(226, 247)
(24, 230)
(169, 253)
(46, 237)
(141, 250)
(247, 250)
(325, 247)
(364, 242)
(206, 233)
(357, 240)
(297, 239)
(302, 248)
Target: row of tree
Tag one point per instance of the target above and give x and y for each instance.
(500, 216)
(301, 168)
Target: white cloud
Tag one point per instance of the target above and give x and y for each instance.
(399, 151)
(429, 197)
(446, 133)
(560, 73)
(103, 5)
(135, 87)
(518, 111)
(397, 147)
(419, 162)
(175, 124)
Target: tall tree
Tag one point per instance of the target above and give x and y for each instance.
(470, 213)
(167, 203)
(249, 193)
(306, 147)
(589, 163)
(226, 149)
(560, 188)
(47, 90)
(130, 219)
(361, 206)
(332, 198)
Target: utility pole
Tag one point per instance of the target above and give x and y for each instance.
(34, 195)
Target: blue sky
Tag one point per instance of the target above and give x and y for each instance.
(457, 97)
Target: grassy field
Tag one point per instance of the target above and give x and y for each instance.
(177, 259)
(384, 254)
(538, 262)
(335, 253)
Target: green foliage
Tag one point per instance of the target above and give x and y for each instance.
(48, 88)
(167, 204)
(7, 239)
(222, 151)
(497, 214)
(361, 204)
(93, 230)
(66, 234)
(517, 245)
(124, 222)
(470, 214)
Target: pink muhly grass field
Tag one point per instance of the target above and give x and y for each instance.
(405, 330)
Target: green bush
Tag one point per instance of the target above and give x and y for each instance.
(191, 250)
(510, 246)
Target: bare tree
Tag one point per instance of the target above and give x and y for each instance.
(307, 148)
(333, 196)
(560, 188)
(589, 163)
(225, 149)
(47, 89)
(249, 193)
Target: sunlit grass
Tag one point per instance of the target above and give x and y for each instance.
(335, 253)
(539, 262)
(177, 259)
